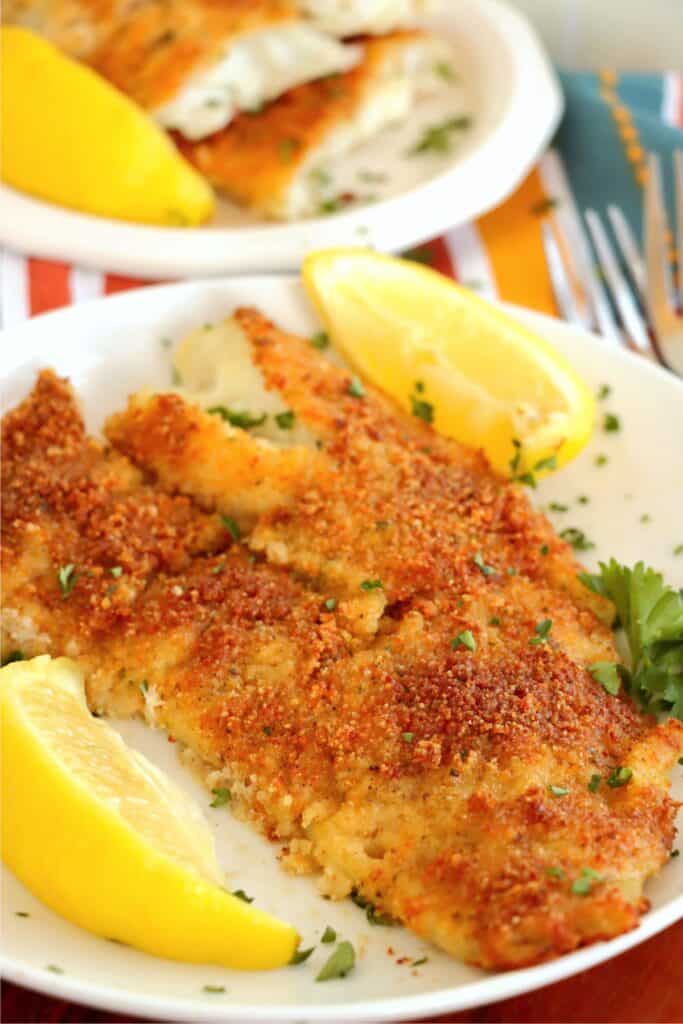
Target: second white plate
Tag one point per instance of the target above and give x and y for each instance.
(507, 86)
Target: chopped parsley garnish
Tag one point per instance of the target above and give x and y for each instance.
(604, 392)
(526, 478)
(116, 571)
(582, 886)
(320, 176)
(66, 577)
(21, 913)
(245, 420)
(320, 340)
(421, 409)
(544, 549)
(607, 674)
(300, 956)
(680, 760)
(494, 621)
(443, 69)
(329, 935)
(418, 963)
(355, 388)
(674, 853)
(214, 990)
(267, 730)
(13, 656)
(408, 737)
(339, 964)
(577, 538)
(544, 205)
(420, 254)
(464, 639)
(646, 518)
(516, 458)
(583, 499)
(651, 615)
(511, 571)
(555, 506)
(331, 205)
(619, 777)
(371, 912)
(437, 138)
(594, 783)
(240, 894)
(554, 872)
(330, 604)
(611, 423)
(542, 631)
(678, 550)
(285, 420)
(287, 148)
(558, 790)
(221, 796)
(55, 969)
(232, 527)
(548, 463)
(419, 386)
(371, 585)
(487, 570)
(601, 460)
(218, 568)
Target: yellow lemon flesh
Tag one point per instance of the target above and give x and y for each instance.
(444, 353)
(71, 138)
(108, 841)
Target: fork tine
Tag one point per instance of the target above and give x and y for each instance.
(655, 223)
(678, 183)
(625, 303)
(559, 278)
(629, 249)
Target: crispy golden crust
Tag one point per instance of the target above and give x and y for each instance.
(160, 43)
(417, 773)
(257, 156)
(77, 27)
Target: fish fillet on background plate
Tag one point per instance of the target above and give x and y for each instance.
(192, 64)
(282, 160)
(371, 17)
(438, 762)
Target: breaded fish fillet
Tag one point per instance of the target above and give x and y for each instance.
(371, 17)
(447, 784)
(191, 63)
(279, 161)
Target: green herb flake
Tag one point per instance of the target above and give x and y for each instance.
(554, 872)
(610, 423)
(232, 527)
(221, 796)
(420, 254)
(12, 657)
(437, 138)
(21, 913)
(421, 409)
(218, 568)
(583, 499)
(607, 674)
(287, 148)
(511, 571)
(54, 969)
(329, 935)
(646, 518)
(542, 632)
(330, 604)
(300, 956)
(442, 69)
(577, 538)
(674, 853)
(555, 506)
(240, 894)
(408, 737)
(267, 730)
(516, 458)
(355, 388)
(320, 340)
(213, 990)
(244, 420)
(604, 392)
(66, 577)
(486, 570)
(678, 550)
(371, 585)
(680, 760)
(601, 460)
(544, 549)
(116, 571)
(464, 639)
(285, 420)
(494, 621)
(558, 790)
(544, 206)
(582, 885)
(594, 783)
(619, 776)
(339, 963)
(420, 962)
(320, 176)
(548, 463)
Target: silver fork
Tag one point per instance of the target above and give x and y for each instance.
(646, 300)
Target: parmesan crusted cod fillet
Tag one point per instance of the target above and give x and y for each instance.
(446, 783)
(278, 161)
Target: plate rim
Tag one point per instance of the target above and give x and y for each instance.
(397, 222)
(484, 990)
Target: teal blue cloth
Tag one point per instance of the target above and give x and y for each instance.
(593, 151)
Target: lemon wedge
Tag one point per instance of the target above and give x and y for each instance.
(452, 358)
(108, 841)
(71, 138)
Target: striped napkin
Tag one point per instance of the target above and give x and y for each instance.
(598, 158)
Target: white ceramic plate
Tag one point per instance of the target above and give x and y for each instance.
(111, 347)
(505, 83)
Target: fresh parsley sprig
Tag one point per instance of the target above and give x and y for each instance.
(651, 615)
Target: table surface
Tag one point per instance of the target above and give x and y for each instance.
(642, 986)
